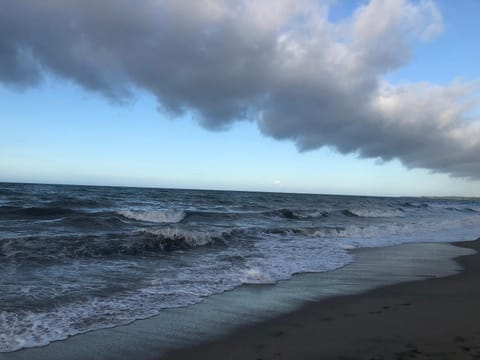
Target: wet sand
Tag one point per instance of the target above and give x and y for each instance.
(438, 318)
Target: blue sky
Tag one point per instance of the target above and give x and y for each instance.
(59, 132)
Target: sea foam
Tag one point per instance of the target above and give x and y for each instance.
(154, 216)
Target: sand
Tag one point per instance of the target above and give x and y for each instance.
(437, 318)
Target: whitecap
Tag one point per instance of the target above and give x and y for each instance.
(155, 216)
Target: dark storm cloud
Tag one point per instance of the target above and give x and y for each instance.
(280, 63)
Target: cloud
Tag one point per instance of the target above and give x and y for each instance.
(280, 63)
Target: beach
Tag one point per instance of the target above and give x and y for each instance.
(438, 318)
(351, 313)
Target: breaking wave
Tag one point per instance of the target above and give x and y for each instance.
(155, 216)
(373, 213)
(297, 214)
(322, 231)
(148, 242)
(172, 238)
(415, 205)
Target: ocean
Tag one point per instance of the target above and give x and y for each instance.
(79, 258)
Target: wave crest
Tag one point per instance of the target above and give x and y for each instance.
(374, 213)
(155, 216)
(313, 232)
(148, 242)
(297, 214)
(173, 238)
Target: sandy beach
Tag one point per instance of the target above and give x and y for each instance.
(432, 319)
(431, 313)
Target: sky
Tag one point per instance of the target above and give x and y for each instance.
(372, 97)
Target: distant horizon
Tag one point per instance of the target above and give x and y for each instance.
(239, 190)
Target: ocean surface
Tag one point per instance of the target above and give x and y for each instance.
(79, 258)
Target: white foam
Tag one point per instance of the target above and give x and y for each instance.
(37, 328)
(256, 275)
(155, 216)
(347, 246)
(374, 213)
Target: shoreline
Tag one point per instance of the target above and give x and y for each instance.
(232, 316)
(437, 318)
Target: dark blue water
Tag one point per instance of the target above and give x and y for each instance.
(77, 258)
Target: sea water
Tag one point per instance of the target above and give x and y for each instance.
(79, 258)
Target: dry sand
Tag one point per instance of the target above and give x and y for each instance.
(432, 319)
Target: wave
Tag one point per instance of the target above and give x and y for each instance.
(148, 242)
(374, 213)
(463, 209)
(349, 213)
(297, 214)
(173, 238)
(175, 216)
(93, 221)
(414, 205)
(318, 214)
(323, 231)
(155, 216)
